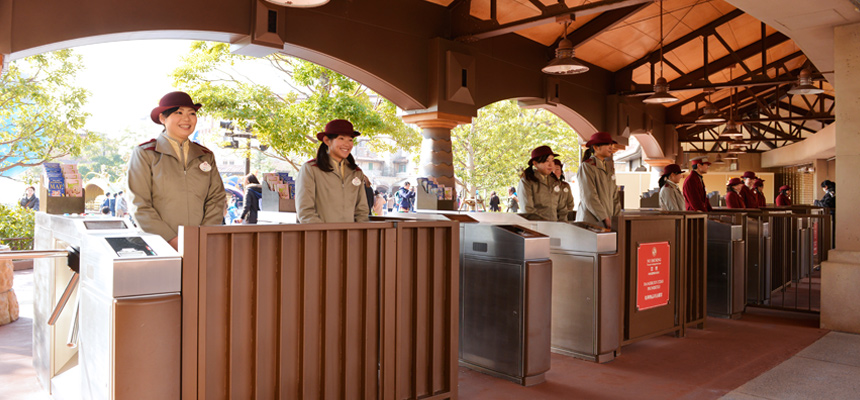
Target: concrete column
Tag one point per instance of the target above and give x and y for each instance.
(840, 276)
(437, 156)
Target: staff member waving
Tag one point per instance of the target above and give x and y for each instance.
(596, 177)
(172, 180)
(539, 190)
(330, 188)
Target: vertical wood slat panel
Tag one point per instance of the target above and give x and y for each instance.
(217, 313)
(266, 321)
(291, 304)
(241, 294)
(288, 312)
(190, 308)
(312, 313)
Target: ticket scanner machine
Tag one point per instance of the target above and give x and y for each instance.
(116, 334)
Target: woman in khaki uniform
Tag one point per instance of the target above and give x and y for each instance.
(566, 192)
(671, 198)
(539, 191)
(599, 200)
(330, 188)
(173, 181)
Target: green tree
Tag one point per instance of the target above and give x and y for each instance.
(41, 110)
(104, 158)
(286, 122)
(492, 151)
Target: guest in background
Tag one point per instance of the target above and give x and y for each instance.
(29, 199)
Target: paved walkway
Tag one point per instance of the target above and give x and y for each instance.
(766, 354)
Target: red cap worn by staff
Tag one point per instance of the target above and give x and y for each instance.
(700, 161)
(173, 100)
(600, 138)
(734, 181)
(784, 188)
(338, 127)
(541, 151)
(673, 169)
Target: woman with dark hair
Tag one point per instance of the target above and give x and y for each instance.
(733, 193)
(566, 192)
(671, 198)
(539, 188)
(784, 198)
(599, 200)
(330, 188)
(759, 191)
(829, 199)
(253, 195)
(172, 180)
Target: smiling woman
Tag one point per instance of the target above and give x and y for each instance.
(330, 188)
(172, 180)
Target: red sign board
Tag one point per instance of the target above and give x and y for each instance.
(652, 283)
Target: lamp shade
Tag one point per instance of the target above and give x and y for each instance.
(804, 84)
(710, 115)
(732, 130)
(299, 3)
(661, 93)
(564, 63)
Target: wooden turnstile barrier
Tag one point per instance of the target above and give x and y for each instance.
(320, 311)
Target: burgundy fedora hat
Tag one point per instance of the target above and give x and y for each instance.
(749, 174)
(600, 138)
(541, 151)
(673, 169)
(338, 127)
(784, 187)
(171, 100)
(734, 181)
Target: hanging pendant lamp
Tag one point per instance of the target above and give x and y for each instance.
(564, 63)
(661, 86)
(299, 3)
(710, 115)
(804, 84)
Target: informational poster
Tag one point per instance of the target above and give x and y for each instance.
(652, 286)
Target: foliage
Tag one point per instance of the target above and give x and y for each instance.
(16, 222)
(286, 122)
(492, 151)
(104, 158)
(41, 110)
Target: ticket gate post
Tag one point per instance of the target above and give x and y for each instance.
(586, 290)
(128, 341)
(726, 272)
(505, 296)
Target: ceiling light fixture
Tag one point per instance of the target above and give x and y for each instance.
(711, 114)
(731, 156)
(661, 86)
(804, 84)
(732, 130)
(299, 3)
(719, 160)
(564, 63)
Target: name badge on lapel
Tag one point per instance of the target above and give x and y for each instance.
(205, 167)
(556, 189)
(356, 181)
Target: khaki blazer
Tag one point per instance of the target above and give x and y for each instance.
(165, 194)
(328, 197)
(671, 198)
(599, 195)
(543, 198)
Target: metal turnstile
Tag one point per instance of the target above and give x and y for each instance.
(586, 290)
(505, 296)
(726, 261)
(127, 309)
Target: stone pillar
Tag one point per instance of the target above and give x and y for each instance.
(840, 275)
(8, 300)
(437, 156)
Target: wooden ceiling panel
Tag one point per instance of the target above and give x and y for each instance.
(548, 34)
(742, 31)
(507, 11)
(443, 3)
(603, 55)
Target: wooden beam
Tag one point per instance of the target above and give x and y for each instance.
(704, 30)
(548, 17)
(602, 23)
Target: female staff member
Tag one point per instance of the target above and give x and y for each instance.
(733, 194)
(172, 180)
(540, 191)
(596, 178)
(566, 192)
(330, 188)
(759, 191)
(671, 198)
(784, 198)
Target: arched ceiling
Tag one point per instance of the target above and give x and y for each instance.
(707, 44)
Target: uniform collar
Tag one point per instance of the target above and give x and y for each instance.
(162, 145)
